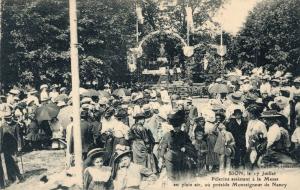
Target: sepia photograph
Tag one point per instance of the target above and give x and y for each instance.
(149, 94)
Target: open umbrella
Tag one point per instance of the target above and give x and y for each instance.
(219, 89)
(90, 93)
(47, 112)
(121, 92)
(103, 93)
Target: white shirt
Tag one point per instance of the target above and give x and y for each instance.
(265, 88)
(255, 127)
(273, 135)
(53, 95)
(296, 135)
(44, 95)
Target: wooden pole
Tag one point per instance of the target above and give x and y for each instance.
(75, 91)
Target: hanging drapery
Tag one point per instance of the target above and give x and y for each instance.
(189, 19)
(139, 15)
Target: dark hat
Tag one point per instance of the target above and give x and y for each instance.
(121, 113)
(251, 97)
(126, 153)
(229, 151)
(84, 113)
(200, 118)
(139, 116)
(97, 152)
(270, 114)
(237, 111)
(254, 109)
(109, 112)
(176, 117)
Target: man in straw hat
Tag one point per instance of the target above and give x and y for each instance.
(236, 102)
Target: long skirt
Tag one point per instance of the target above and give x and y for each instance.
(212, 158)
(142, 156)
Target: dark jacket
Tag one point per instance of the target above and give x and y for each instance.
(9, 138)
(238, 132)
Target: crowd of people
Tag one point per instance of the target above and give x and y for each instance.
(130, 136)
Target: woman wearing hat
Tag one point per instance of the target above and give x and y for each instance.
(127, 175)
(97, 176)
(176, 150)
(54, 92)
(255, 134)
(142, 143)
(276, 133)
(44, 93)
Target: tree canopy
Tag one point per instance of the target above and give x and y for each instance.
(35, 43)
(270, 37)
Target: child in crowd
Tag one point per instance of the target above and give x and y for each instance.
(224, 147)
(96, 175)
(201, 147)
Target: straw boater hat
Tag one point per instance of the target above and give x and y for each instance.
(121, 113)
(43, 86)
(86, 100)
(32, 91)
(288, 75)
(54, 86)
(7, 115)
(219, 80)
(14, 91)
(189, 100)
(62, 89)
(297, 80)
(235, 97)
(270, 114)
(266, 77)
(275, 80)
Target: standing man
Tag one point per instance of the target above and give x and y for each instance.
(237, 125)
(9, 143)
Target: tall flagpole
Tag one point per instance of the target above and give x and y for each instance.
(75, 91)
